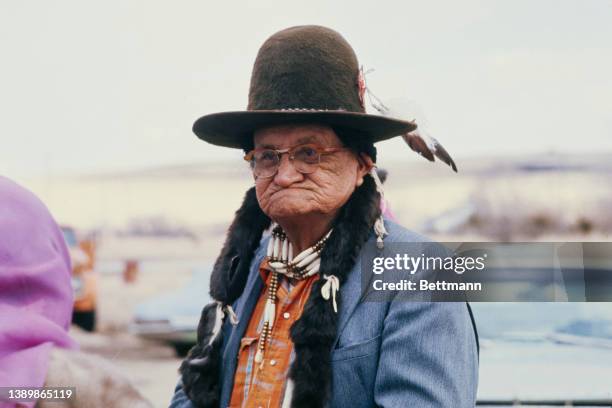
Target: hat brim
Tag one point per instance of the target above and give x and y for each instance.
(233, 129)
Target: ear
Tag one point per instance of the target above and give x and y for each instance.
(364, 165)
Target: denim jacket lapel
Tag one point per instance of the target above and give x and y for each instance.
(349, 293)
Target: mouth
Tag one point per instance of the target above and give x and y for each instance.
(289, 189)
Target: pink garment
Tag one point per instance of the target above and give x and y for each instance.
(386, 210)
(35, 292)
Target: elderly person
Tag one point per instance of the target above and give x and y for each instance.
(289, 327)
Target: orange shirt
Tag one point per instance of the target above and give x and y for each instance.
(263, 384)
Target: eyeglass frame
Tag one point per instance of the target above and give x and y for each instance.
(322, 151)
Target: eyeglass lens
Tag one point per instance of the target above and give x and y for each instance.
(265, 163)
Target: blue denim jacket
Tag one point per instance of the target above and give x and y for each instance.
(386, 354)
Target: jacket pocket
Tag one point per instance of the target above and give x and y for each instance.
(356, 350)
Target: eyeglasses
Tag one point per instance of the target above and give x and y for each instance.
(265, 162)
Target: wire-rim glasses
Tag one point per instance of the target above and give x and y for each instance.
(265, 161)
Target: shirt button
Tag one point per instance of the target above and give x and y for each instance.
(286, 315)
(272, 362)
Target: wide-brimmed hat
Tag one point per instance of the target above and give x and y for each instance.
(303, 74)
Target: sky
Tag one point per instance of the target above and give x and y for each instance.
(116, 85)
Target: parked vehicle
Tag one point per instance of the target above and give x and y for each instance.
(173, 317)
(545, 354)
(84, 279)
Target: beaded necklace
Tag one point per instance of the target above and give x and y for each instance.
(281, 261)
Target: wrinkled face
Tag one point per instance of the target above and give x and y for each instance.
(290, 193)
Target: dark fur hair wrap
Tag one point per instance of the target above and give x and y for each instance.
(314, 332)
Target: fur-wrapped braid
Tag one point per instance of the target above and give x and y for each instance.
(203, 359)
(313, 333)
(200, 369)
(232, 266)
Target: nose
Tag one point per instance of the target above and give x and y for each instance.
(287, 174)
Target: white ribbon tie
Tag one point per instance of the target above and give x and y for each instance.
(330, 287)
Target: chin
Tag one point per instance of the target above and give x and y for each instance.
(288, 213)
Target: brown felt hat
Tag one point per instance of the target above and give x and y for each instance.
(303, 74)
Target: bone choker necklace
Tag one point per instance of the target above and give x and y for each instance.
(281, 260)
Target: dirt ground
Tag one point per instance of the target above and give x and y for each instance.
(152, 367)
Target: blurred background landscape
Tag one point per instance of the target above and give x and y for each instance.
(98, 100)
(158, 230)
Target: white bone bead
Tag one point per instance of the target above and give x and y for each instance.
(270, 313)
(277, 265)
(312, 271)
(303, 254)
(307, 260)
(285, 250)
(276, 247)
(313, 265)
